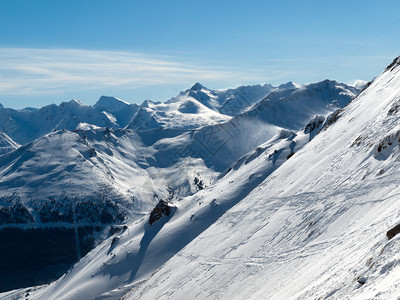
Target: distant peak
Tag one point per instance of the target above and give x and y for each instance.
(197, 87)
(107, 101)
(268, 86)
(76, 102)
(148, 102)
(359, 84)
(328, 81)
(290, 85)
(1, 106)
(72, 104)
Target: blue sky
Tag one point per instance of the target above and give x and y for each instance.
(52, 50)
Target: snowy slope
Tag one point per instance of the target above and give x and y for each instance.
(319, 222)
(292, 107)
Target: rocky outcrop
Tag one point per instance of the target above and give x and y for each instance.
(162, 208)
(392, 232)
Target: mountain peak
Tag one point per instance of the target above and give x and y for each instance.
(75, 102)
(359, 84)
(289, 85)
(112, 103)
(197, 87)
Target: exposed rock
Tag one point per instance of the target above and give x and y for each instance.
(314, 124)
(394, 64)
(199, 183)
(361, 280)
(117, 229)
(332, 118)
(290, 155)
(392, 232)
(161, 208)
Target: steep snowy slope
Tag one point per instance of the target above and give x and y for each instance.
(237, 101)
(316, 228)
(291, 108)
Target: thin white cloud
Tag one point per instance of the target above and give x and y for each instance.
(28, 71)
(43, 71)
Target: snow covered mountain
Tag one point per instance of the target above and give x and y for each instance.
(284, 109)
(229, 102)
(81, 182)
(320, 222)
(86, 172)
(198, 107)
(75, 164)
(190, 114)
(313, 214)
(26, 125)
(117, 110)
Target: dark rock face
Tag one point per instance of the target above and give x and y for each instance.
(199, 184)
(361, 280)
(290, 155)
(392, 232)
(333, 117)
(394, 64)
(314, 124)
(117, 229)
(161, 208)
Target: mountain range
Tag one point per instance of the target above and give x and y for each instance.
(211, 194)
